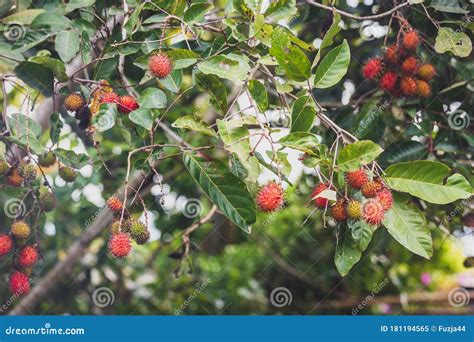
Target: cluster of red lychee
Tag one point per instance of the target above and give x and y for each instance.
(124, 229)
(377, 200)
(400, 71)
(24, 256)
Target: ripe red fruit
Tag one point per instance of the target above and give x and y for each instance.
(411, 40)
(110, 98)
(27, 256)
(392, 54)
(19, 283)
(120, 245)
(408, 86)
(409, 65)
(115, 204)
(127, 104)
(372, 68)
(160, 65)
(356, 179)
(270, 197)
(385, 197)
(427, 71)
(6, 244)
(371, 188)
(388, 82)
(320, 202)
(338, 211)
(373, 211)
(423, 89)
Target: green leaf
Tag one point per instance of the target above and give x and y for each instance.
(281, 9)
(51, 20)
(105, 119)
(56, 125)
(301, 141)
(134, 20)
(215, 88)
(25, 17)
(232, 67)
(194, 124)
(290, 58)
(67, 45)
(370, 122)
(25, 132)
(71, 158)
(55, 65)
(196, 12)
(172, 82)
(182, 58)
(401, 151)
(353, 156)
(328, 36)
(75, 4)
(259, 94)
(347, 254)
(142, 117)
(449, 6)
(302, 115)
(228, 192)
(361, 233)
(407, 224)
(456, 42)
(333, 67)
(152, 98)
(429, 181)
(37, 76)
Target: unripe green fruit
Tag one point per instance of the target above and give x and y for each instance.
(139, 232)
(47, 159)
(115, 227)
(68, 174)
(3, 167)
(47, 201)
(27, 171)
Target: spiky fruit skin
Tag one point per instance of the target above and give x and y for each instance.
(14, 178)
(68, 174)
(356, 179)
(27, 256)
(139, 232)
(120, 245)
(426, 71)
(114, 227)
(371, 188)
(6, 244)
(411, 40)
(408, 86)
(74, 102)
(27, 171)
(160, 65)
(372, 212)
(372, 68)
(111, 97)
(423, 89)
(47, 159)
(338, 211)
(410, 65)
(270, 197)
(115, 204)
(385, 197)
(392, 54)
(388, 82)
(320, 202)
(127, 104)
(20, 230)
(47, 201)
(354, 209)
(19, 283)
(4, 167)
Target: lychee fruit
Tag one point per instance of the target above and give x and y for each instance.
(372, 68)
(74, 102)
(426, 71)
(411, 40)
(4, 167)
(111, 97)
(139, 232)
(372, 211)
(160, 65)
(19, 283)
(115, 204)
(270, 197)
(119, 245)
(320, 202)
(6, 244)
(354, 209)
(423, 89)
(338, 211)
(47, 201)
(68, 174)
(27, 171)
(410, 65)
(14, 178)
(20, 230)
(371, 188)
(27, 256)
(388, 82)
(356, 179)
(47, 159)
(385, 197)
(408, 86)
(127, 104)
